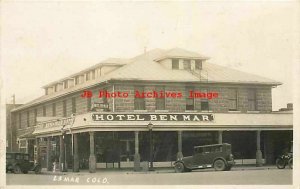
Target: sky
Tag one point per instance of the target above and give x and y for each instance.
(45, 41)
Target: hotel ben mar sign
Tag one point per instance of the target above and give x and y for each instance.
(153, 117)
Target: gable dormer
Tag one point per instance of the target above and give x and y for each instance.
(180, 59)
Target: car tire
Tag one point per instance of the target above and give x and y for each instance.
(38, 169)
(219, 165)
(179, 167)
(17, 169)
(280, 163)
(290, 163)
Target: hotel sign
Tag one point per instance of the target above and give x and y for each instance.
(153, 117)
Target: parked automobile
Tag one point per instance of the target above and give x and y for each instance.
(17, 162)
(218, 156)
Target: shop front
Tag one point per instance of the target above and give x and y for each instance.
(125, 140)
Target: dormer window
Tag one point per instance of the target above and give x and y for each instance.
(198, 64)
(175, 64)
(187, 64)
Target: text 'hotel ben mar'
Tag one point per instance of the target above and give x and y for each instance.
(103, 116)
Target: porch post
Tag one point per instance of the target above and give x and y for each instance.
(220, 137)
(76, 159)
(49, 163)
(62, 166)
(37, 143)
(258, 151)
(137, 157)
(92, 159)
(179, 153)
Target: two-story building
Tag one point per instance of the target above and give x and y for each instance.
(103, 116)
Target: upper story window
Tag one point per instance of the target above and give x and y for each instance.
(89, 104)
(204, 102)
(77, 80)
(87, 76)
(175, 64)
(187, 64)
(53, 109)
(65, 108)
(44, 111)
(35, 116)
(73, 104)
(28, 119)
(93, 73)
(252, 100)
(232, 98)
(139, 103)
(190, 102)
(20, 120)
(198, 64)
(160, 103)
(66, 84)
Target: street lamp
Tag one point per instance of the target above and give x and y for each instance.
(150, 126)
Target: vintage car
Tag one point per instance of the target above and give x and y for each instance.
(218, 156)
(17, 162)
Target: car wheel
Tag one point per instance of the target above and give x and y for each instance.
(280, 163)
(290, 163)
(17, 169)
(179, 167)
(219, 165)
(38, 169)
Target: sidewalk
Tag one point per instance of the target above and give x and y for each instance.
(157, 170)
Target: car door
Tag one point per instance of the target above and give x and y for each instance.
(198, 158)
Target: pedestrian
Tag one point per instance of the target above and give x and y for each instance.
(54, 165)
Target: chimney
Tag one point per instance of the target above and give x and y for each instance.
(289, 106)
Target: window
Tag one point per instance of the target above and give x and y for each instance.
(65, 108)
(44, 111)
(252, 100)
(187, 64)
(139, 103)
(27, 119)
(55, 88)
(53, 109)
(160, 103)
(198, 64)
(93, 74)
(204, 102)
(87, 76)
(35, 115)
(20, 120)
(190, 102)
(73, 105)
(175, 64)
(232, 99)
(77, 80)
(89, 104)
(66, 84)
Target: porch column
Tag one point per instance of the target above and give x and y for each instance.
(179, 153)
(49, 163)
(220, 137)
(76, 159)
(137, 157)
(258, 151)
(62, 166)
(92, 159)
(37, 143)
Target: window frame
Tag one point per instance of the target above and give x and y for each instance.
(139, 103)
